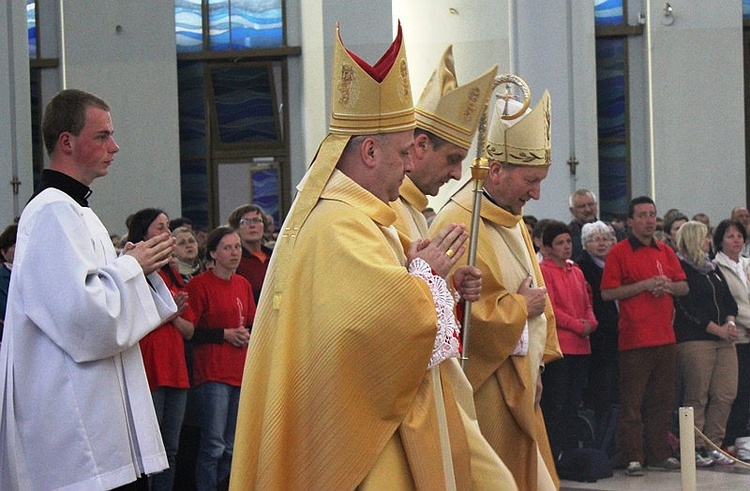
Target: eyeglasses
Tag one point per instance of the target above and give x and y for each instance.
(599, 238)
(248, 221)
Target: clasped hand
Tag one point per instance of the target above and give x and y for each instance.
(152, 254)
(442, 251)
(658, 285)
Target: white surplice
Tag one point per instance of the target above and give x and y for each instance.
(76, 406)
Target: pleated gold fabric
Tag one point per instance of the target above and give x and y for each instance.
(408, 208)
(487, 471)
(336, 383)
(504, 385)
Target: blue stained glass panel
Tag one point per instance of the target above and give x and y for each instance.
(612, 126)
(192, 108)
(244, 104)
(256, 24)
(266, 191)
(608, 13)
(188, 25)
(241, 24)
(218, 25)
(613, 180)
(232, 24)
(610, 81)
(194, 186)
(31, 26)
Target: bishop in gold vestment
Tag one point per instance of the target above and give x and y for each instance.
(508, 347)
(443, 137)
(337, 391)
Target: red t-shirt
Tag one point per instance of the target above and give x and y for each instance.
(645, 320)
(215, 303)
(163, 349)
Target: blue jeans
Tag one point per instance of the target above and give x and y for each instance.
(169, 404)
(219, 404)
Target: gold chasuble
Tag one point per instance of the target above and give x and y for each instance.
(487, 470)
(409, 207)
(505, 384)
(337, 393)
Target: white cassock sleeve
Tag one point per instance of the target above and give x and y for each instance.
(89, 302)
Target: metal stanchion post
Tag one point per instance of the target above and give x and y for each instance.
(687, 449)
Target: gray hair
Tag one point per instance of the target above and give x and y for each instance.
(597, 227)
(581, 192)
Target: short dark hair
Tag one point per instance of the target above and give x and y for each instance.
(436, 141)
(539, 227)
(139, 222)
(640, 200)
(66, 112)
(552, 230)
(215, 236)
(8, 237)
(674, 217)
(179, 222)
(236, 215)
(721, 230)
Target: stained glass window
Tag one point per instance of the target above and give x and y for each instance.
(244, 105)
(612, 126)
(231, 25)
(612, 101)
(608, 13)
(31, 26)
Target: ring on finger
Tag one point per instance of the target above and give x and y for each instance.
(450, 253)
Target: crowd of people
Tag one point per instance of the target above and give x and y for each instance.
(650, 317)
(329, 358)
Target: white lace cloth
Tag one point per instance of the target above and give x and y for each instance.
(446, 341)
(522, 346)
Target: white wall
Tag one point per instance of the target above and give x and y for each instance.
(15, 112)
(699, 120)
(135, 72)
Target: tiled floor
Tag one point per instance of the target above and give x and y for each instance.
(718, 478)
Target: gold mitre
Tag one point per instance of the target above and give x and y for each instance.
(449, 111)
(375, 99)
(525, 140)
(365, 100)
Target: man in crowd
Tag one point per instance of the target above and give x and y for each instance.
(447, 118)
(77, 410)
(512, 326)
(585, 209)
(643, 275)
(337, 392)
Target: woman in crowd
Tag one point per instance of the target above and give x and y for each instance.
(186, 253)
(729, 239)
(222, 310)
(565, 379)
(705, 329)
(602, 391)
(163, 351)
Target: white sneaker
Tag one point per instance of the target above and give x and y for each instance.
(634, 469)
(719, 458)
(701, 461)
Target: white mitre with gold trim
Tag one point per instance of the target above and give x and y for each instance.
(449, 111)
(525, 140)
